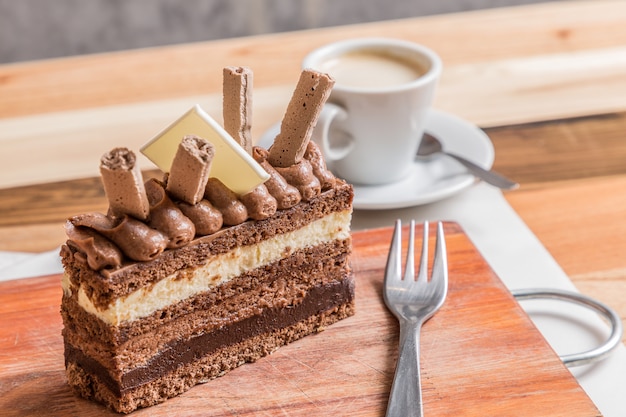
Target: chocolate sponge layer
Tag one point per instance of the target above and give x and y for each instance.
(182, 364)
(281, 284)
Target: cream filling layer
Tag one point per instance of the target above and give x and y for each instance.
(218, 270)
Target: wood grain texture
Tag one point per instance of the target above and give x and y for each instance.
(56, 116)
(149, 74)
(480, 355)
(537, 155)
(562, 149)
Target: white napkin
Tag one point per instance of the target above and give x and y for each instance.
(14, 265)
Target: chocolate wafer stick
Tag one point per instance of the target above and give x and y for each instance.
(300, 118)
(190, 169)
(123, 183)
(237, 106)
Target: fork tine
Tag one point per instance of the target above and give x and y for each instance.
(440, 270)
(423, 269)
(409, 269)
(394, 259)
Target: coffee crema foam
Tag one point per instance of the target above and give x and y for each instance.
(372, 70)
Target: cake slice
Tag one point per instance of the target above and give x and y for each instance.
(183, 280)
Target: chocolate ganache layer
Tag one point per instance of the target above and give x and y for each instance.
(318, 300)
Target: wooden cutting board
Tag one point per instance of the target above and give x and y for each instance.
(481, 355)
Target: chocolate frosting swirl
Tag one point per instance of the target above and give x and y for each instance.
(233, 211)
(98, 250)
(206, 218)
(314, 155)
(166, 217)
(137, 240)
(285, 194)
(301, 176)
(260, 203)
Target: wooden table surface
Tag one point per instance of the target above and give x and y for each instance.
(547, 82)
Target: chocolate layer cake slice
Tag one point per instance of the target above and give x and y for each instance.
(183, 279)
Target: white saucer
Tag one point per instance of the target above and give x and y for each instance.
(431, 179)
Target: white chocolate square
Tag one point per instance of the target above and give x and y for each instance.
(232, 165)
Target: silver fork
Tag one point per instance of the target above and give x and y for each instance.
(412, 302)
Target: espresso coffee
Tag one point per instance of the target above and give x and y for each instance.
(371, 69)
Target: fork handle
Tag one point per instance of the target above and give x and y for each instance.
(405, 398)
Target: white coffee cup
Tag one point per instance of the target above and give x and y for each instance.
(372, 124)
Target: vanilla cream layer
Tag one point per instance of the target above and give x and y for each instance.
(218, 270)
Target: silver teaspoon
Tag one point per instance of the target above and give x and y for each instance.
(431, 145)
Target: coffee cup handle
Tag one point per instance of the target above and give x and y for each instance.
(341, 146)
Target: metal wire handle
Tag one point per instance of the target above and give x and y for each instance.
(589, 356)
